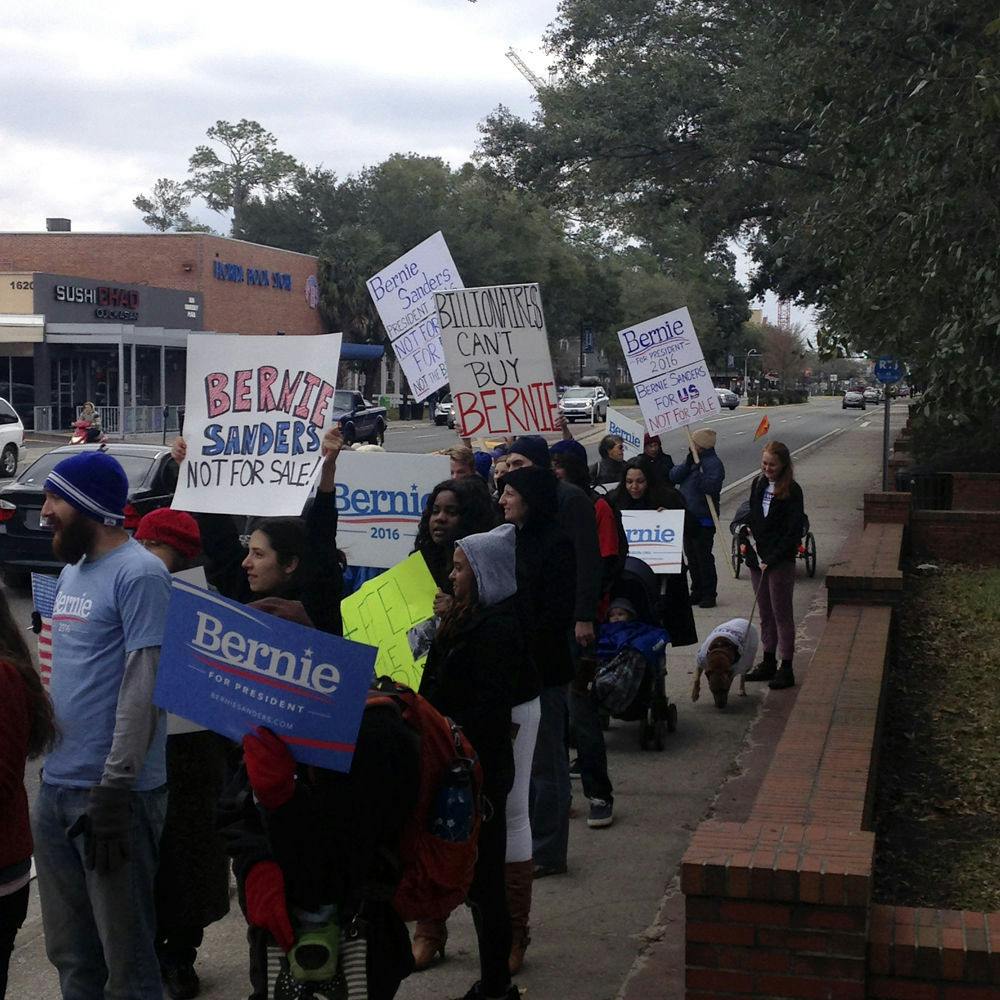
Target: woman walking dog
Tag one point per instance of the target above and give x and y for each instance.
(775, 523)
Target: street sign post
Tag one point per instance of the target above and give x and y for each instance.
(888, 371)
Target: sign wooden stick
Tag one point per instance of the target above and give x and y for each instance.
(711, 502)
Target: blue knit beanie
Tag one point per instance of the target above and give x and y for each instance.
(483, 460)
(94, 483)
(570, 447)
(534, 447)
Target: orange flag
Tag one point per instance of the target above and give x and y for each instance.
(762, 428)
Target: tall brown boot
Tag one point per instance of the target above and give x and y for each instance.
(519, 876)
(429, 939)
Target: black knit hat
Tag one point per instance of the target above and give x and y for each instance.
(538, 489)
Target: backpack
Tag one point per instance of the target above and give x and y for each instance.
(620, 681)
(439, 842)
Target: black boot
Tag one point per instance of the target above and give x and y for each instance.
(784, 678)
(764, 670)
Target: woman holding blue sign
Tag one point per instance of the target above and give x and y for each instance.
(289, 559)
(642, 488)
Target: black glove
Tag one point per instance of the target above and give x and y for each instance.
(690, 459)
(105, 827)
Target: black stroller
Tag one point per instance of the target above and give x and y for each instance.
(629, 685)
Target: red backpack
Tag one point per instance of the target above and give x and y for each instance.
(439, 840)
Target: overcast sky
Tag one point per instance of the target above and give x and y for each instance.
(100, 99)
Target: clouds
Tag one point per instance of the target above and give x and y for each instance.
(99, 102)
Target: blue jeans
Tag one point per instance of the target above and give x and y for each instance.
(99, 928)
(550, 786)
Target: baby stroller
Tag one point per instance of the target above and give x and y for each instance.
(630, 682)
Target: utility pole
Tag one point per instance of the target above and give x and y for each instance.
(746, 361)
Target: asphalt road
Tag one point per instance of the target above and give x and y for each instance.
(796, 426)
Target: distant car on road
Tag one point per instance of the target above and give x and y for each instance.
(871, 394)
(584, 402)
(728, 399)
(359, 420)
(853, 398)
(11, 439)
(26, 544)
(444, 411)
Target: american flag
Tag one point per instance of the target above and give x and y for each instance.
(43, 592)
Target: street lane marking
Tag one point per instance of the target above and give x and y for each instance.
(864, 423)
(808, 444)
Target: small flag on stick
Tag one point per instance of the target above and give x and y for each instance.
(763, 428)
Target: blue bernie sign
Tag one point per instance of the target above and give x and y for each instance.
(230, 668)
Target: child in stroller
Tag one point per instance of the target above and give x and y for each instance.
(630, 682)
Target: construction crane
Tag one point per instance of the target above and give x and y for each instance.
(784, 314)
(525, 70)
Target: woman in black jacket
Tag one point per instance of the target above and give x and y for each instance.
(643, 488)
(775, 523)
(291, 559)
(546, 573)
(468, 677)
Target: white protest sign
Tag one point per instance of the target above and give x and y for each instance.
(498, 359)
(380, 498)
(656, 537)
(256, 412)
(403, 294)
(630, 431)
(669, 371)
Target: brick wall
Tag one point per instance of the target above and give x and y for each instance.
(960, 536)
(975, 491)
(867, 569)
(780, 905)
(887, 508)
(179, 260)
(915, 953)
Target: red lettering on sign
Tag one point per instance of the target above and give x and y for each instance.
(241, 390)
(216, 395)
(267, 375)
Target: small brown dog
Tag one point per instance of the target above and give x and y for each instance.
(719, 662)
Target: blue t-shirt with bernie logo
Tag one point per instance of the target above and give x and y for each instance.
(105, 608)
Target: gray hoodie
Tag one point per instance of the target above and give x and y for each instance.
(491, 556)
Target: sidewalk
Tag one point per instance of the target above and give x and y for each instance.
(613, 927)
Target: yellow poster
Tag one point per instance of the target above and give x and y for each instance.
(395, 612)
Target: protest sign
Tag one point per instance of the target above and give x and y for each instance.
(230, 668)
(395, 612)
(669, 371)
(630, 431)
(498, 358)
(256, 412)
(656, 537)
(403, 294)
(380, 498)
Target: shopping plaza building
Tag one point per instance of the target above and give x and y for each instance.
(106, 316)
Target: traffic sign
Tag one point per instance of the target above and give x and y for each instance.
(888, 370)
(588, 340)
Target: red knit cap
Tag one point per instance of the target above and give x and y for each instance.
(175, 528)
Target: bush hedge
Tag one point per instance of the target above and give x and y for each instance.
(780, 397)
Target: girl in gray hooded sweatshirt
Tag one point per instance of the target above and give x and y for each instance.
(468, 677)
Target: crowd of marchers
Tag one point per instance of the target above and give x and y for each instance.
(141, 819)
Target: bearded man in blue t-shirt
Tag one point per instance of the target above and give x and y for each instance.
(103, 796)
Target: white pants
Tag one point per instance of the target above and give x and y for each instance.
(525, 716)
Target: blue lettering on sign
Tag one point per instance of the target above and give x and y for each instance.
(256, 277)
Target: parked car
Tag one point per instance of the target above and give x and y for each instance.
(853, 398)
(584, 402)
(26, 543)
(871, 394)
(444, 411)
(359, 420)
(11, 439)
(727, 398)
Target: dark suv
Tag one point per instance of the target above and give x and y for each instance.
(26, 544)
